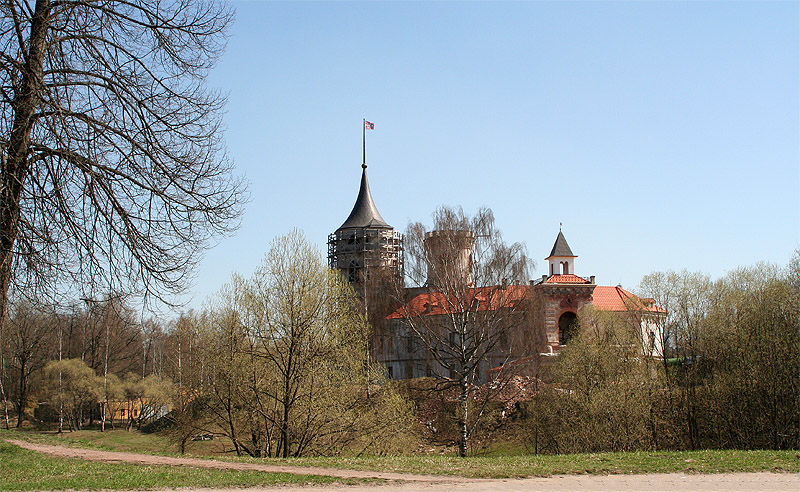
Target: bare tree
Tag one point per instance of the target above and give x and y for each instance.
(687, 297)
(29, 336)
(286, 363)
(467, 298)
(113, 171)
(152, 343)
(310, 339)
(751, 345)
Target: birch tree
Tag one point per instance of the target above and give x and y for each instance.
(286, 365)
(476, 289)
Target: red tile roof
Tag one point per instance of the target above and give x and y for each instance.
(607, 298)
(436, 303)
(566, 279)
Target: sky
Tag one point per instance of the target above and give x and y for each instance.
(662, 135)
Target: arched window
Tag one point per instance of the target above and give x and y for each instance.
(567, 327)
(566, 268)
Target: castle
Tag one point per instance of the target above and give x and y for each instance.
(366, 249)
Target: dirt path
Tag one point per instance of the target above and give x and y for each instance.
(147, 459)
(744, 482)
(726, 482)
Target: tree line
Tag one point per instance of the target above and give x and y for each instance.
(104, 335)
(114, 178)
(730, 377)
(278, 364)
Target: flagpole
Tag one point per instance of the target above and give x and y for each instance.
(364, 143)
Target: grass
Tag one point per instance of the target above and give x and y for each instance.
(28, 470)
(496, 466)
(724, 461)
(110, 440)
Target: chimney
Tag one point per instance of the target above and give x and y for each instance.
(544, 277)
(591, 279)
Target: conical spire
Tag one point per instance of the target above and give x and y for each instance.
(562, 261)
(560, 247)
(364, 213)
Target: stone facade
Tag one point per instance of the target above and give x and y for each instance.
(560, 305)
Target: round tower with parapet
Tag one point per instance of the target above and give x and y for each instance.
(449, 256)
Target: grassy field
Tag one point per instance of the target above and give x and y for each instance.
(27, 470)
(110, 440)
(511, 465)
(596, 463)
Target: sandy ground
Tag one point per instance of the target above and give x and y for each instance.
(408, 483)
(584, 483)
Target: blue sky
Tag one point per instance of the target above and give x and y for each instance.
(664, 135)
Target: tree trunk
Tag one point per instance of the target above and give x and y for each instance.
(287, 399)
(3, 391)
(233, 431)
(284, 445)
(15, 157)
(22, 396)
(15, 160)
(462, 419)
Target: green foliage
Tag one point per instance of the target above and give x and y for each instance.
(73, 387)
(752, 353)
(601, 399)
(733, 380)
(287, 365)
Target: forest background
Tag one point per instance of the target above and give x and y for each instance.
(233, 372)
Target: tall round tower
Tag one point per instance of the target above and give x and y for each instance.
(449, 255)
(365, 246)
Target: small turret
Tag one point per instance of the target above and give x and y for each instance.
(562, 261)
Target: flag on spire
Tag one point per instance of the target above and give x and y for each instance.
(369, 125)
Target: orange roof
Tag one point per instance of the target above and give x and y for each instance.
(437, 303)
(607, 298)
(566, 279)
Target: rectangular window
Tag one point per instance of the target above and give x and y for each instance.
(454, 339)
